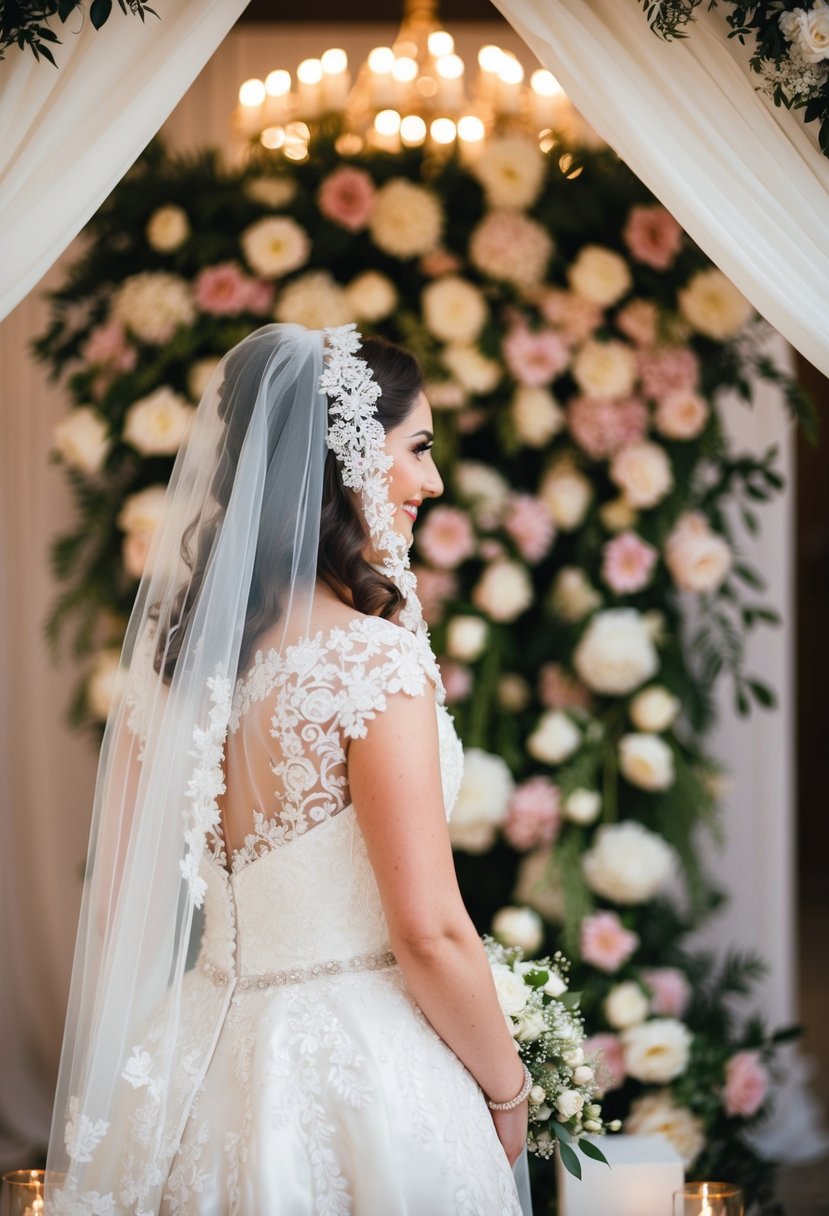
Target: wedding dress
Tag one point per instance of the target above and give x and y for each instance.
(327, 1092)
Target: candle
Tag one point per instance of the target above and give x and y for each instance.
(708, 1199)
(381, 86)
(336, 80)
(508, 93)
(251, 106)
(22, 1193)
(489, 61)
(309, 81)
(277, 101)
(546, 93)
(449, 94)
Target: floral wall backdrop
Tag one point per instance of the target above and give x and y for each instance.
(582, 575)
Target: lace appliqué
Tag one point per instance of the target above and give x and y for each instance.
(206, 784)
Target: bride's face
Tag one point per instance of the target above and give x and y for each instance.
(413, 476)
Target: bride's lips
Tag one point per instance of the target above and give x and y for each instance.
(411, 510)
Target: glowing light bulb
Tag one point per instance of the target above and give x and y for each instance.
(412, 130)
(443, 131)
(278, 83)
(489, 58)
(387, 122)
(333, 61)
(510, 70)
(440, 42)
(544, 83)
(450, 67)
(470, 128)
(252, 93)
(404, 70)
(381, 60)
(309, 72)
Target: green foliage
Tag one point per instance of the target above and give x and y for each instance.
(25, 23)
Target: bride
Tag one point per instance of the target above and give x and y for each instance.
(279, 1004)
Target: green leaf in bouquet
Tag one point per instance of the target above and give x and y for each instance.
(592, 1150)
(569, 1160)
(536, 979)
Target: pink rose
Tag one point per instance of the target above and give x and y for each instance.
(222, 290)
(653, 236)
(575, 318)
(107, 344)
(530, 524)
(627, 563)
(457, 680)
(535, 358)
(746, 1084)
(533, 814)
(558, 690)
(638, 321)
(698, 559)
(671, 991)
(601, 426)
(434, 589)
(347, 197)
(607, 1057)
(446, 537)
(681, 415)
(259, 296)
(605, 942)
(668, 369)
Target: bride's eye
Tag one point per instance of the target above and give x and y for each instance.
(426, 446)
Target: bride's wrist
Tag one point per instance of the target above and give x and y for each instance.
(518, 1096)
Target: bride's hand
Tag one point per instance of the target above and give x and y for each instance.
(511, 1126)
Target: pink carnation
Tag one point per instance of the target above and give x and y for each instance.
(434, 589)
(607, 1057)
(222, 290)
(653, 236)
(530, 524)
(671, 991)
(575, 318)
(533, 814)
(457, 680)
(639, 321)
(259, 296)
(558, 690)
(605, 942)
(347, 197)
(107, 344)
(535, 358)
(446, 538)
(746, 1083)
(668, 369)
(627, 563)
(600, 426)
(441, 261)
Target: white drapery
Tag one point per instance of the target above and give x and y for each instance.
(70, 135)
(744, 178)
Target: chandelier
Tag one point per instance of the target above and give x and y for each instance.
(416, 92)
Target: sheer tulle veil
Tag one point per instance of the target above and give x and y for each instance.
(244, 500)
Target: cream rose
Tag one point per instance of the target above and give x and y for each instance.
(615, 654)
(681, 415)
(518, 927)
(536, 416)
(642, 471)
(625, 1005)
(453, 309)
(275, 245)
(511, 989)
(482, 802)
(371, 296)
(655, 1114)
(569, 1103)
(698, 559)
(142, 511)
(808, 29)
(555, 738)
(627, 863)
(657, 1051)
(314, 300)
(482, 484)
(605, 369)
(167, 229)
(466, 638)
(599, 275)
(618, 515)
(583, 806)
(82, 440)
(407, 219)
(271, 191)
(654, 709)
(477, 373)
(647, 761)
(713, 306)
(153, 305)
(511, 171)
(530, 1027)
(503, 591)
(158, 424)
(567, 493)
(573, 596)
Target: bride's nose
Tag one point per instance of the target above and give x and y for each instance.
(433, 484)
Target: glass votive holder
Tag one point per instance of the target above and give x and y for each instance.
(21, 1193)
(708, 1199)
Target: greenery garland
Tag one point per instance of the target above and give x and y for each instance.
(26, 23)
(582, 574)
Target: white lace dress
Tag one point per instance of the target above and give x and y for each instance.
(328, 1092)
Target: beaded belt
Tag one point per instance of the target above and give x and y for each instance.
(375, 961)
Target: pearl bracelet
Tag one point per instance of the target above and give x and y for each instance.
(519, 1097)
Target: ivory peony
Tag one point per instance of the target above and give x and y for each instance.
(583, 806)
(627, 863)
(153, 305)
(605, 369)
(275, 245)
(519, 927)
(646, 761)
(656, 1114)
(657, 1051)
(167, 229)
(625, 1005)
(466, 637)
(808, 30)
(698, 559)
(573, 597)
(158, 424)
(654, 709)
(371, 296)
(555, 738)
(599, 275)
(82, 440)
(314, 300)
(482, 803)
(142, 511)
(536, 416)
(615, 654)
(681, 416)
(713, 306)
(503, 591)
(568, 494)
(407, 220)
(511, 171)
(471, 368)
(453, 309)
(642, 471)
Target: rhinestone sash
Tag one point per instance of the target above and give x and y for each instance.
(375, 961)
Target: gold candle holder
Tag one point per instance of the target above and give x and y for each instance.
(708, 1199)
(21, 1193)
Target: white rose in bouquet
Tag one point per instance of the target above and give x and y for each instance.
(569, 1103)
(697, 558)
(656, 1114)
(654, 709)
(482, 803)
(554, 739)
(567, 493)
(808, 29)
(105, 683)
(583, 806)
(503, 591)
(153, 305)
(647, 761)
(627, 863)
(314, 300)
(713, 306)
(625, 1005)
(371, 296)
(453, 309)
(530, 1027)
(466, 638)
(573, 596)
(275, 245)
(657, 1051)
(82, 440)
(615, 653)
(407, 219)
(520, 927)
(642, 471)
(511, 989)
(536, 415)
(511, 172)
(167, 229)
(605, 369)
(599, 275)
(158, 424)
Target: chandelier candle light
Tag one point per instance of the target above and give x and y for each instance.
(417, 91)
(21, 1193)
(708, 1199)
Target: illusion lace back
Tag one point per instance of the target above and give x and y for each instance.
(328, 1092)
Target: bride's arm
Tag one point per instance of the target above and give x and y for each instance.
(394, 777)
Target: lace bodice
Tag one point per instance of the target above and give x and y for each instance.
(300, 888)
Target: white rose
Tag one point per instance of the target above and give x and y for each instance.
(583, 806)
(511, 989)
(142, 512)
(657, 1051)
(530, 1027)
(625, 1005)
(536, 416)
(167, 229)
(713, 305)
(573, 595)
(407, 220)
(599, 275)
(314, 300)
(536, 1095)
(518, 927)
(158, 424)
(605, 369)
(574, 1057)
(697, 558)
(82, 440)
(655, 1114)
(466, 637)
(642, 471)
(482, 802)
(582, 1075)
(654, 709)
(567, 493)
(199, 376)
(275, 245)
(615, 654)
(647, 761)
(511, 171)
(809, 30)
(569, 1103)
(618, 515)
(153, 305)
(503, 591)
(555, 985)
(627, 863)
(105, 683)
(554, 739)
(453, 309)
(481, 483)
(371, 296)
(474, 371)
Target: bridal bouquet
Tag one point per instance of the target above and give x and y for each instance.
(548, 1029)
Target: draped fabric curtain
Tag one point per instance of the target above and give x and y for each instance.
(744, 178)
(70, 135)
